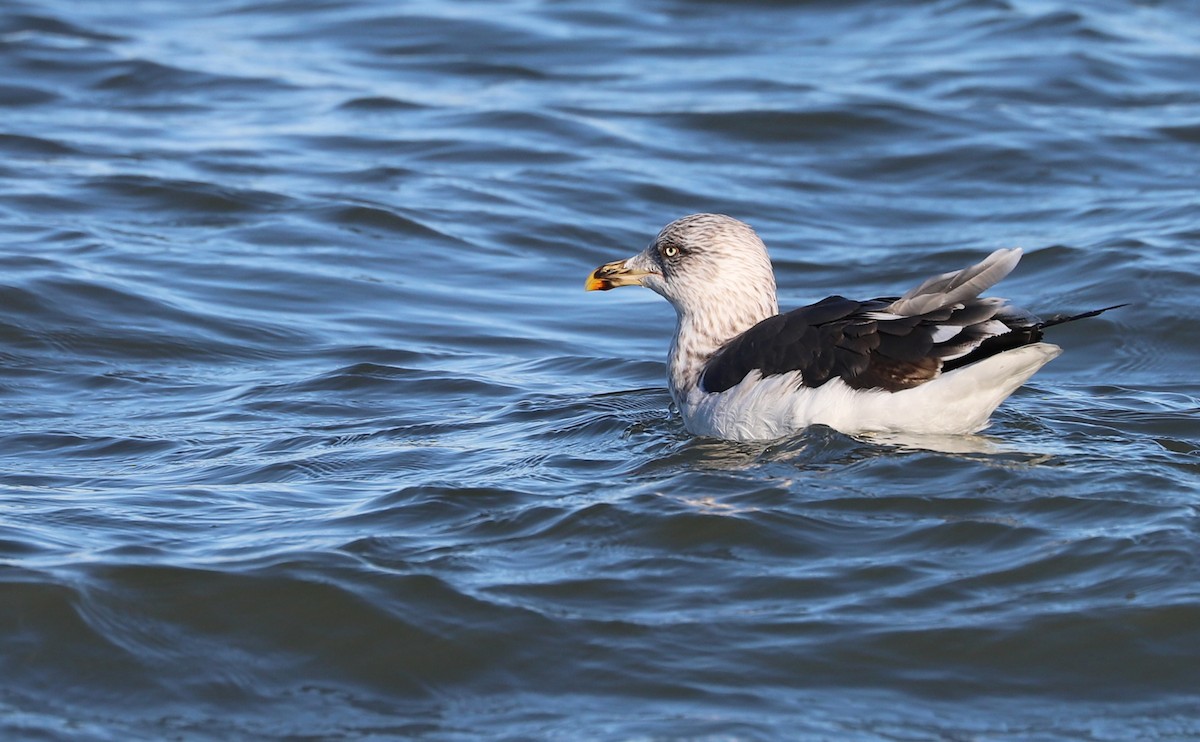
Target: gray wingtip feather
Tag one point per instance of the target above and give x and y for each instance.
(957, 287)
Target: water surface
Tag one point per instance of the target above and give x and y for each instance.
(307, 429)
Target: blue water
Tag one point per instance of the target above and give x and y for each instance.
(308, 430)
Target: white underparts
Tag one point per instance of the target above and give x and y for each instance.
(957, 402)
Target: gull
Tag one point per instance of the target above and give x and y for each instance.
(936, 361)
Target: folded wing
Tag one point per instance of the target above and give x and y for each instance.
(889, 344)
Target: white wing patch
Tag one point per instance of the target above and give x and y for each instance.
(942, 333)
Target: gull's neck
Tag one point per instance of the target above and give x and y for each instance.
(701, 332)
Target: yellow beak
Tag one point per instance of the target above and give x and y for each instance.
(612, 275)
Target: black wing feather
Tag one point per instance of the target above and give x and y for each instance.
(830, 338)
(850, 340)
(846, 339)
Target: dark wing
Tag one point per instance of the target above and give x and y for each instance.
(868, 347)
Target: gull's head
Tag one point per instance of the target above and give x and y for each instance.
(696, 261)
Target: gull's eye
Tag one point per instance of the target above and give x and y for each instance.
(670, 251)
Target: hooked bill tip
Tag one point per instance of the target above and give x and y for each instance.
(595, 283)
